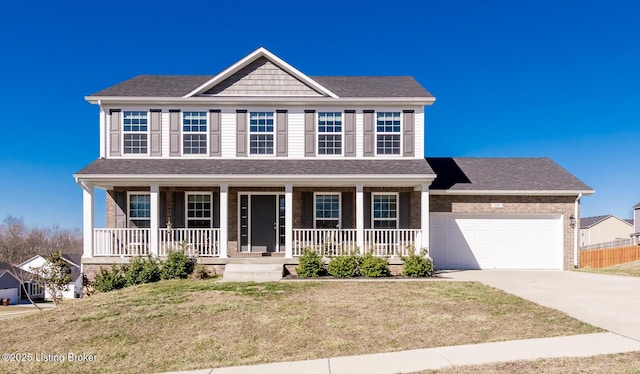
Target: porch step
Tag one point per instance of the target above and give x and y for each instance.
(252, 272)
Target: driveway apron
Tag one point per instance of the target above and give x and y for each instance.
(607, 301)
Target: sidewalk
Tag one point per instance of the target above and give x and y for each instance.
(440, 357)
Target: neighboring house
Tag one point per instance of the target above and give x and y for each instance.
(75, 286)
(603, 229)
(261, 161)
(10, 279)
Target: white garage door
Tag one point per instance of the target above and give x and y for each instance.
(464, 241)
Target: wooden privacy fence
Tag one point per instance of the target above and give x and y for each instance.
(600, 258)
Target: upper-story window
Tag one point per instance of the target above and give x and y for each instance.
(329, 133)
(194, 133)
(388, 132)
(385, 211)
(135, 125)
(261, 133)
(139, 210)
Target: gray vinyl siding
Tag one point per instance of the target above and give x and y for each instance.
(309, 133)
(174, 133)
(215, 139)
(114, 132)
(8, 281)
(349, 133)
(262, 77)
(282, 128)
(241, 133)
(369, 134)
(156, 132)
(409, 133)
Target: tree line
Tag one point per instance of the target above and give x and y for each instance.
(19, 242)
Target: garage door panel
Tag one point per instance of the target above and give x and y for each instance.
(462, 241)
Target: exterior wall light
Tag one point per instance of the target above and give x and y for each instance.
(572, 222)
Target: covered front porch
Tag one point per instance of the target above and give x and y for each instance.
(238, 208)
(225, 221)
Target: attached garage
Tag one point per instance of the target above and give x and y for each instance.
(496, 241)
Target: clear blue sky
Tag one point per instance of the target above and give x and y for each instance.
(512, 78)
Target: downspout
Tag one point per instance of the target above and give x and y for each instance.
(576, 230)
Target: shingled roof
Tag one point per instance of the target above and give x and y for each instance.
(502, 174)
(587, 222)
(180, 85)
(220, 167)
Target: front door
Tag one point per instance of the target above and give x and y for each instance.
(263, 223)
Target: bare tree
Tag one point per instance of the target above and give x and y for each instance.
(13, 248)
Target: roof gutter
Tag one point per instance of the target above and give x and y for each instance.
(513, 192)
(576, 229)
(248, 100)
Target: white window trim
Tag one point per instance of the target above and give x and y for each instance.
(341, 133)
(273, 133)
(186, 207)
(339, 207)
(122, 133)
(129, 219)
(376, 133)
(373, 219)
(182, 133)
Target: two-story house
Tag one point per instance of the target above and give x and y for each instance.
(261, 161)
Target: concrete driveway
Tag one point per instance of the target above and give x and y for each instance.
(607, 301)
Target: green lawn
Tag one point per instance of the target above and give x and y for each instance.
(629, 269)
(194, 324)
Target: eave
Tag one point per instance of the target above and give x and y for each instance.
(263, 100)
(514, 192)
(334, 180)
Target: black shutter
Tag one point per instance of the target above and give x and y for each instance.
(120, 198)
(178, 210)
(307, 208)
(347, 210)
(405, 210)
(216, 209)
(367, 210)
(163, 209)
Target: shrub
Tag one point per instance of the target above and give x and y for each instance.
(201, 272)
(177, 265)
(110, 279)
(344, 266)
(374, 267)
(417, 265)
(142, 270)
(310, 264)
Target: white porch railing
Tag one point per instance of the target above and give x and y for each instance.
(120, 242)
(327, 242)
(135, 242)
(392, 242)
(195, 242)
(335, 242)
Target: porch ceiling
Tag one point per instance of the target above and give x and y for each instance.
(334, 172)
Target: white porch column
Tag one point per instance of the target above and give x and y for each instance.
(288, 221)
(154, 236)
(87, 220)
(424, 217)
(360, 217)
(224, 220)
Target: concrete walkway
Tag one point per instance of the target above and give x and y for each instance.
(605, 301)
(441, 357)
